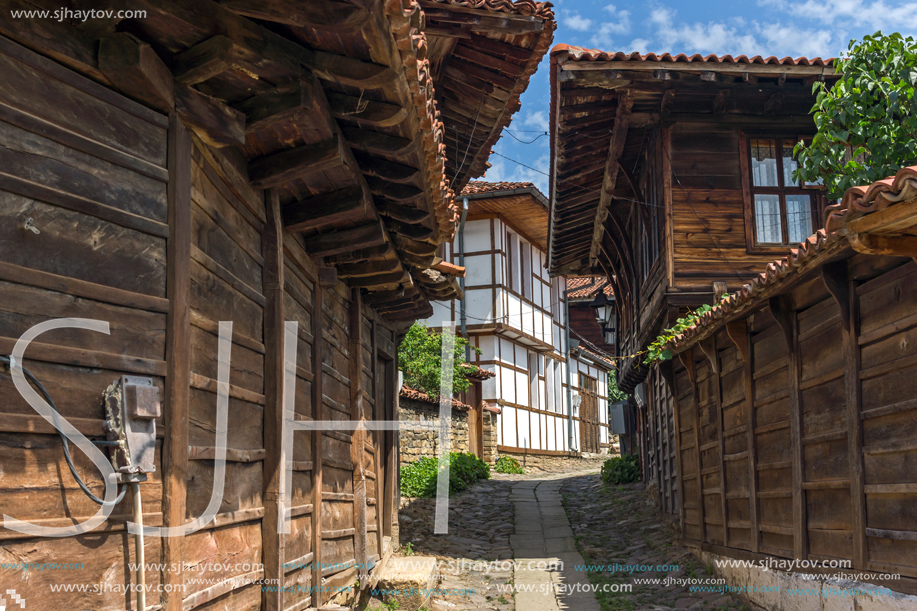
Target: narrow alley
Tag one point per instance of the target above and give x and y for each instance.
(547, 541)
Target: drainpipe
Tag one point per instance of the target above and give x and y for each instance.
(569, 376)
(461, 254)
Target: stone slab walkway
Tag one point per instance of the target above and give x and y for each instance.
(545, 551)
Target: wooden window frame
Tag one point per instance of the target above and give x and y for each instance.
(815, 193)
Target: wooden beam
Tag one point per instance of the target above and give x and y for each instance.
(273, 541)
(721, 438)
(615, 148)
(405, 214)
(721, 102)
(213, 121)
(318, 373)
(369, 268)
(414, 231)
(387, 170)
(358, 438)
(782, 310)
(404, 194)
(350, 71)
(178, 358)
(286, 166)
(853, 392)
(877, 244)
(135, 70)
(370, 112)
(751, 439)
(334, 208)
(324, 15)
(277, 108)
(362, 254)
(698, 67)
(343, 240)
(204, 60)
(378, 280)
(376, 142)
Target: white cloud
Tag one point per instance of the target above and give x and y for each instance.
(575, 21)
(538, 120)
(640, 45)
(603, 37)
(508, 171)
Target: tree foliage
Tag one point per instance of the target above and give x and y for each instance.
(867, 120)
(420, 359)
(615, 394)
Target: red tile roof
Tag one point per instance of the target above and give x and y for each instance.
(815, 250)
(409, 393)
(581, 53)
(480, 374)
(520, 7)
(587, 287)
(477, 187)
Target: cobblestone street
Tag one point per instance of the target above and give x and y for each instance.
(557, 512)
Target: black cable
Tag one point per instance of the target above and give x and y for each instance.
(517, 139)
(44, 393)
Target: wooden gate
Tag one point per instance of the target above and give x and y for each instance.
(590, 438)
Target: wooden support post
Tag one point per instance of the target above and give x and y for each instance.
(752, 439)
(666, 368)
(687, 357)
(273, 542)
(718, 397)
(317, 414)
(358, 440)
(377, 438)
(785, 315)
(843, 290)
(178, 358)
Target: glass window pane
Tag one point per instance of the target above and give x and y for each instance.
(798, 217)
(767, 219)
(764, 163)
(789, 165)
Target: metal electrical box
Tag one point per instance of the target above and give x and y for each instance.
(131, 407)
(617, 416)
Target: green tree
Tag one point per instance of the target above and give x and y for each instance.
(867, 120)
(420, 359)
(615, 394)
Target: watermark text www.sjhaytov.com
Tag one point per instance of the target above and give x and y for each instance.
(83, 15)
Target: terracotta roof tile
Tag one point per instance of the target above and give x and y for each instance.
(520, 7)
(587, 287)
(481, 374)
(477, 187)
(857, 202)
(409, 393)
(583, 54)
(412, 44)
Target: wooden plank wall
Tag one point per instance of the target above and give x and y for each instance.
(660, 457)
(163, 238)
(708, 211)
(798, 423)
(90, 169)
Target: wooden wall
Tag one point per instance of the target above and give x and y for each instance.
(90, 169)
(161, 236)
(708, 210)
(796, 435)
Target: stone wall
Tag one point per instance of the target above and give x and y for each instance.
(417, 443)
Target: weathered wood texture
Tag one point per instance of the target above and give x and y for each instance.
(165, 251)
(842, 487)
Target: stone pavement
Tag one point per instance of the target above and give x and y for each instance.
(563, 514)
(542, 543)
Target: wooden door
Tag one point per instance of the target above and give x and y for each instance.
(589, 414)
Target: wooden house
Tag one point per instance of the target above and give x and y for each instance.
(671, 176)
(186, 163)
(516, 316)
(794, 399)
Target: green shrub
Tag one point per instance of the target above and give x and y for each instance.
(508, 464)
(621, 469)
(419, 478)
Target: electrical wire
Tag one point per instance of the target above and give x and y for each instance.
(526, 141)
(64, 441)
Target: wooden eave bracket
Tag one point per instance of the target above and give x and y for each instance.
(782, 311)
(835, 277)
(737, 331)
(687, 360)
(708, 347)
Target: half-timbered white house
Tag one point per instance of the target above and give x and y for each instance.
(515, 314)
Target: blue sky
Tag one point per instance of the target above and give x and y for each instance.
(808, 28)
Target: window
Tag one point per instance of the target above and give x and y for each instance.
(510, 256)
(533, 380)
(525, 256)
(783, 211)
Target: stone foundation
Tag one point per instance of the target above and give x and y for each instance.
(776, 590)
